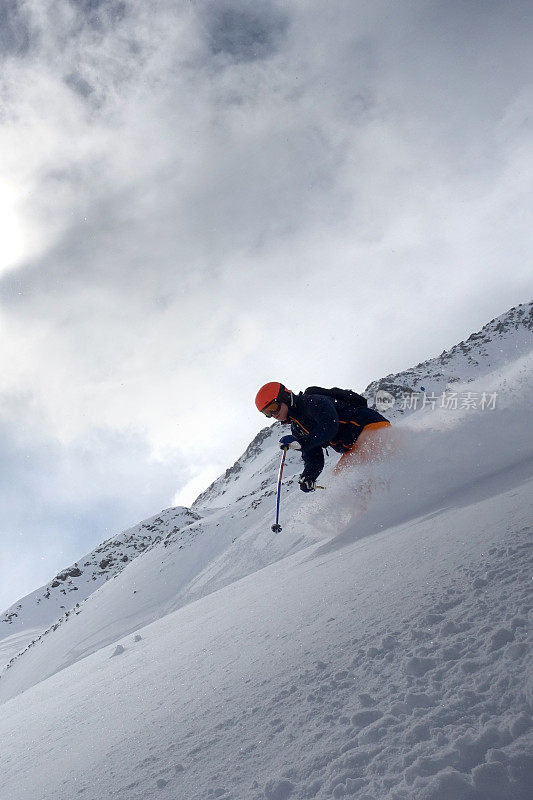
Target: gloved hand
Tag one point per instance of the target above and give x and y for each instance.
(306, 484)
(289, 441)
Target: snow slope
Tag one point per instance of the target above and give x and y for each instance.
(375, 649)
(39, 611)
(393, 665)
(211, 551)
(248, 486)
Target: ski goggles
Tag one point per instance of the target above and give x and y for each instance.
(272, 408)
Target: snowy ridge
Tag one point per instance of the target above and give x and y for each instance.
(69, 588)
(247, 463)
(180, 564)
(503, 339)
(207, 554)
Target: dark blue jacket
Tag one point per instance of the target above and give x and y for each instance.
(318, 421)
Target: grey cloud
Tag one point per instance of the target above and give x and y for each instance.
(244, 31)
(15, 34)
(22, 30)
(94, 10)
(79, 84)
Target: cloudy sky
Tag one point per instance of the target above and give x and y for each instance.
(199, 196)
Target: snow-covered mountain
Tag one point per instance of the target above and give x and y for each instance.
(250, 481)
(497, 343)
(501, 341)
(47, 606)
(375, 649)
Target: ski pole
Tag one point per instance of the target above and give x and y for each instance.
(277, 527)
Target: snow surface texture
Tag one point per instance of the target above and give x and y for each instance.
(375, 649)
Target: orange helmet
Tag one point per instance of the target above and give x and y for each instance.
(272, 391)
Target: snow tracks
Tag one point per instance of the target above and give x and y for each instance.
(437, 709)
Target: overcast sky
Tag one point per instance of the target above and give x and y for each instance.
(198, 197)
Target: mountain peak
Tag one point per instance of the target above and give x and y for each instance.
(499, 341)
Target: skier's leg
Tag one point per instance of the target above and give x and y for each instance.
(373, 444)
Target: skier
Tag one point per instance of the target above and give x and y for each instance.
(320, 418)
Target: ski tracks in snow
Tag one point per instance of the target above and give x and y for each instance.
(438, 708)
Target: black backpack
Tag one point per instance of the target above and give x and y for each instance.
(346, 395)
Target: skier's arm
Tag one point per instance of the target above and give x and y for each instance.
(323, 411)
(313, 463)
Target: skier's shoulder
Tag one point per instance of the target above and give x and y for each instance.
(310, 401)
